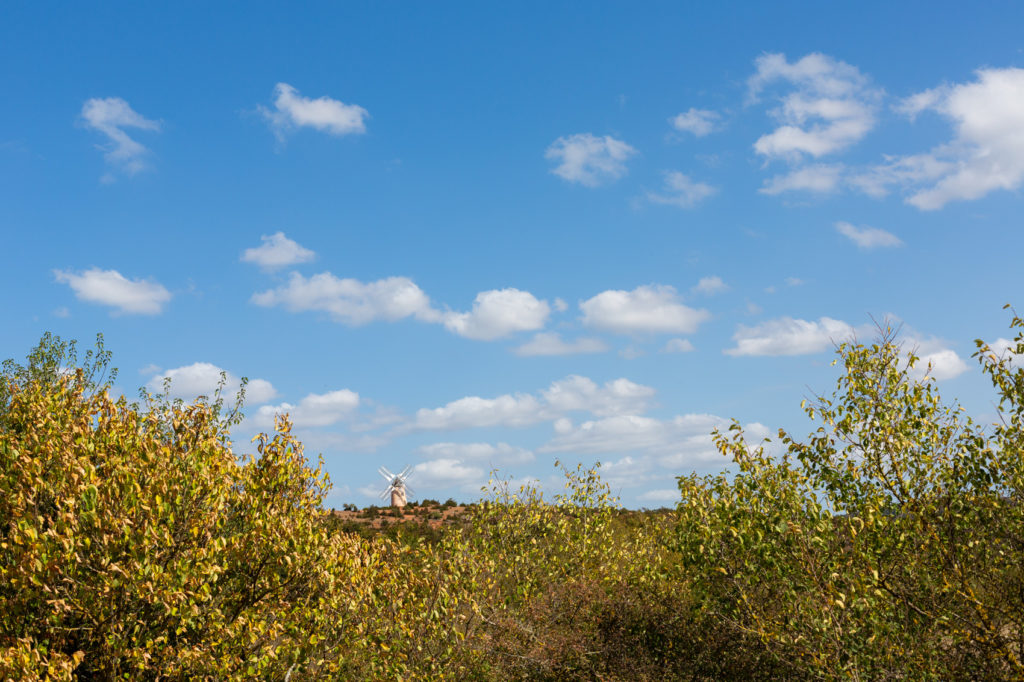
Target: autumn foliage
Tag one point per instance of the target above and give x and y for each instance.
(136, 544)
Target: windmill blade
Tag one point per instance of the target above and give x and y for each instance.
(409, 491)
(385, 473)
(406, 472)
(387, 491)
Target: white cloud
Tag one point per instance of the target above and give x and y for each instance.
(985, 154)
(868, 237)
(831, 105)
(935, 359)
(821, 178)
(291, 110)
(653, 308)
(700, 122)
(589, 160)
(940, 364)
(678, 346)
(661, 496)
(111, 116)
(574, 393)
(277, 251)
(794, 282)
(110, 287)
(499, 313)
(351, 301)
(474, 412)
(681, 191)
(551, 343)
(615, 397)
(202, 378)
(445, 472)
(710, 285)
(787, 336)
(680, 441)
(1004, 349)
(316, 409)
(501, 454)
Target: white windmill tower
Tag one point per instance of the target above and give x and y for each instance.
(397, 487)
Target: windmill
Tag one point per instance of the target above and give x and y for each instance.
(396, 487)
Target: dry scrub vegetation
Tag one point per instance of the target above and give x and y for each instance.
(889, 544)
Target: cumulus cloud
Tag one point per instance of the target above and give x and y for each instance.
(700, 122)
(830, 105)
(574, 393)
(111, 116)
(551, 343)
(788, 336)
(678, 346)
(277, 251)
(680, 190)
(292, 110)
(202, 378)
(1004, 350)
(652, 308)
(351, 301)
(316, 409)
(710, 285)
(588, 159)
(985, 154)
(499, 313)
(501, 454)
(821, 178)
(934, 358)
(445, 472)
(111, 288)
(680, 441)
(868, 237)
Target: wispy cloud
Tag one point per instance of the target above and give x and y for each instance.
(868, 237)
(985, 154)
(589, 160)
(111, 116)
(551, 343)
(699, 122)
(682, 191)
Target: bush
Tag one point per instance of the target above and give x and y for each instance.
(890, 541)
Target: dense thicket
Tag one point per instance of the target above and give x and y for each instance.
(135, 544)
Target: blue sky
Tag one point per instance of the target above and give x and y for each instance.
(464, 237)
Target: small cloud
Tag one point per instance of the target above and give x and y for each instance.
(111, 116)
(794, 282)
(277, 251)
(202, 378)
(681, 191)
(551, 343)
(663, 496)
(316, 409)
(631, 353)
(498, 313)
(868, 237)
(700, 122)
(678, 346)
(560, 305)
(61, 312)
(291, 110)
(788, 336)
(710, 285)
(646, 309)
(351, 301)
(111, 288)
(589, 160)
(819, 178)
